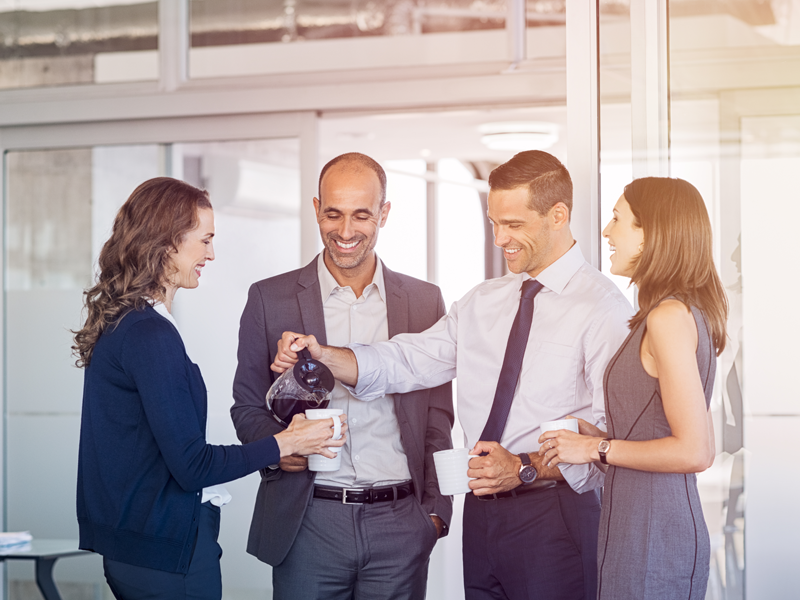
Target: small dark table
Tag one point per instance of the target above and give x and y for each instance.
(45, 553)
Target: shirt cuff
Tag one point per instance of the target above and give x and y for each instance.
(218, 495)
(371, 383)
(582, 478)
(444, 525)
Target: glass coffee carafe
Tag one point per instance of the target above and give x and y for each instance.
(307, 385)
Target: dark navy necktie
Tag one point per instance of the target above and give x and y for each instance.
(512, 363)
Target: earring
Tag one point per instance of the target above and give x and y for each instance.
(641, 247)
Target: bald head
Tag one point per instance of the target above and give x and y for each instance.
(354, 162)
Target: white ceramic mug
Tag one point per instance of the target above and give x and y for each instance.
(451, 470)
(570, 424)
(317, 462)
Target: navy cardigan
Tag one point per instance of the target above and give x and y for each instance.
(143, 458)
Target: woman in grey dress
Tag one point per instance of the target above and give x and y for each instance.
(653, 541)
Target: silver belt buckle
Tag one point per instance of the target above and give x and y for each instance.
(344, 495)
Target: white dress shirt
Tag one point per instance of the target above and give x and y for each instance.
(579, 321)
(373, 454)
(218, 495)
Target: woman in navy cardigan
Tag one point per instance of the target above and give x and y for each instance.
(148, 495)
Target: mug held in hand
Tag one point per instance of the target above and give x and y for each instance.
(317, 462)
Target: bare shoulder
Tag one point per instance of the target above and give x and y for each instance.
(672, 320)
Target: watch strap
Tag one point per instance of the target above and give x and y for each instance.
(527, 472)
(603, 453)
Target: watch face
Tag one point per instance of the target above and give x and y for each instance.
(527, 474)
(603, 446)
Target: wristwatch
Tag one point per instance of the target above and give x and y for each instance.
(527, 472)
(602, 448)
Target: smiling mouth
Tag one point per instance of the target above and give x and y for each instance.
(346, 245)
(511, 251)
(198, 269)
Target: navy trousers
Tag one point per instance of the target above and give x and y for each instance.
(537, 546)
(202, 582)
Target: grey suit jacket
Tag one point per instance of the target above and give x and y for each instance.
(292, 302)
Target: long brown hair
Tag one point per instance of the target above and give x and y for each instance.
(135, 262)
(677, 256)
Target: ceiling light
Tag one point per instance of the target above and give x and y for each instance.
(519, 135)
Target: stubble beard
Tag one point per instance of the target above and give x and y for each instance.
(536, 256)
(351, 261)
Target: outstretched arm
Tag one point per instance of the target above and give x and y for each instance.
(407, 362)
(341, 361)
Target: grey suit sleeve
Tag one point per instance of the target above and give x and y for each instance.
(438, 436)
(253, 377)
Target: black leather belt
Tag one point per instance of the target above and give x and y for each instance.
(364, 495)
(536, 486)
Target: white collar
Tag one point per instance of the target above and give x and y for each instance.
(327, 282)
(161, 309)
(556, 276)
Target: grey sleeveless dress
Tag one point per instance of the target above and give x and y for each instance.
(653, 541)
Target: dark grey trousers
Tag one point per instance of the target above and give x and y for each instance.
(358, 552)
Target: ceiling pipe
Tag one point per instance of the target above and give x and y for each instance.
(516, 28)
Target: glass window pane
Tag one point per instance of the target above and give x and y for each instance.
(66, 42)
(245, 37)
(406, 189)
(58, 201)
(616, 159)
(60, 206)
(460, 231)
(546, 29)
(734, 135)
(225, 22)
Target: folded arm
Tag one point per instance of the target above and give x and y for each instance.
(407, 362)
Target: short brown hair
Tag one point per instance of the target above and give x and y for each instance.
(135, 261)
(548, 181)
(359, 161)
(677, 257)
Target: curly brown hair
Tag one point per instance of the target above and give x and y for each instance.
(135, 262)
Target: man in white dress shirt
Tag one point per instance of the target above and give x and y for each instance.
(366, 531)
(530, 531)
